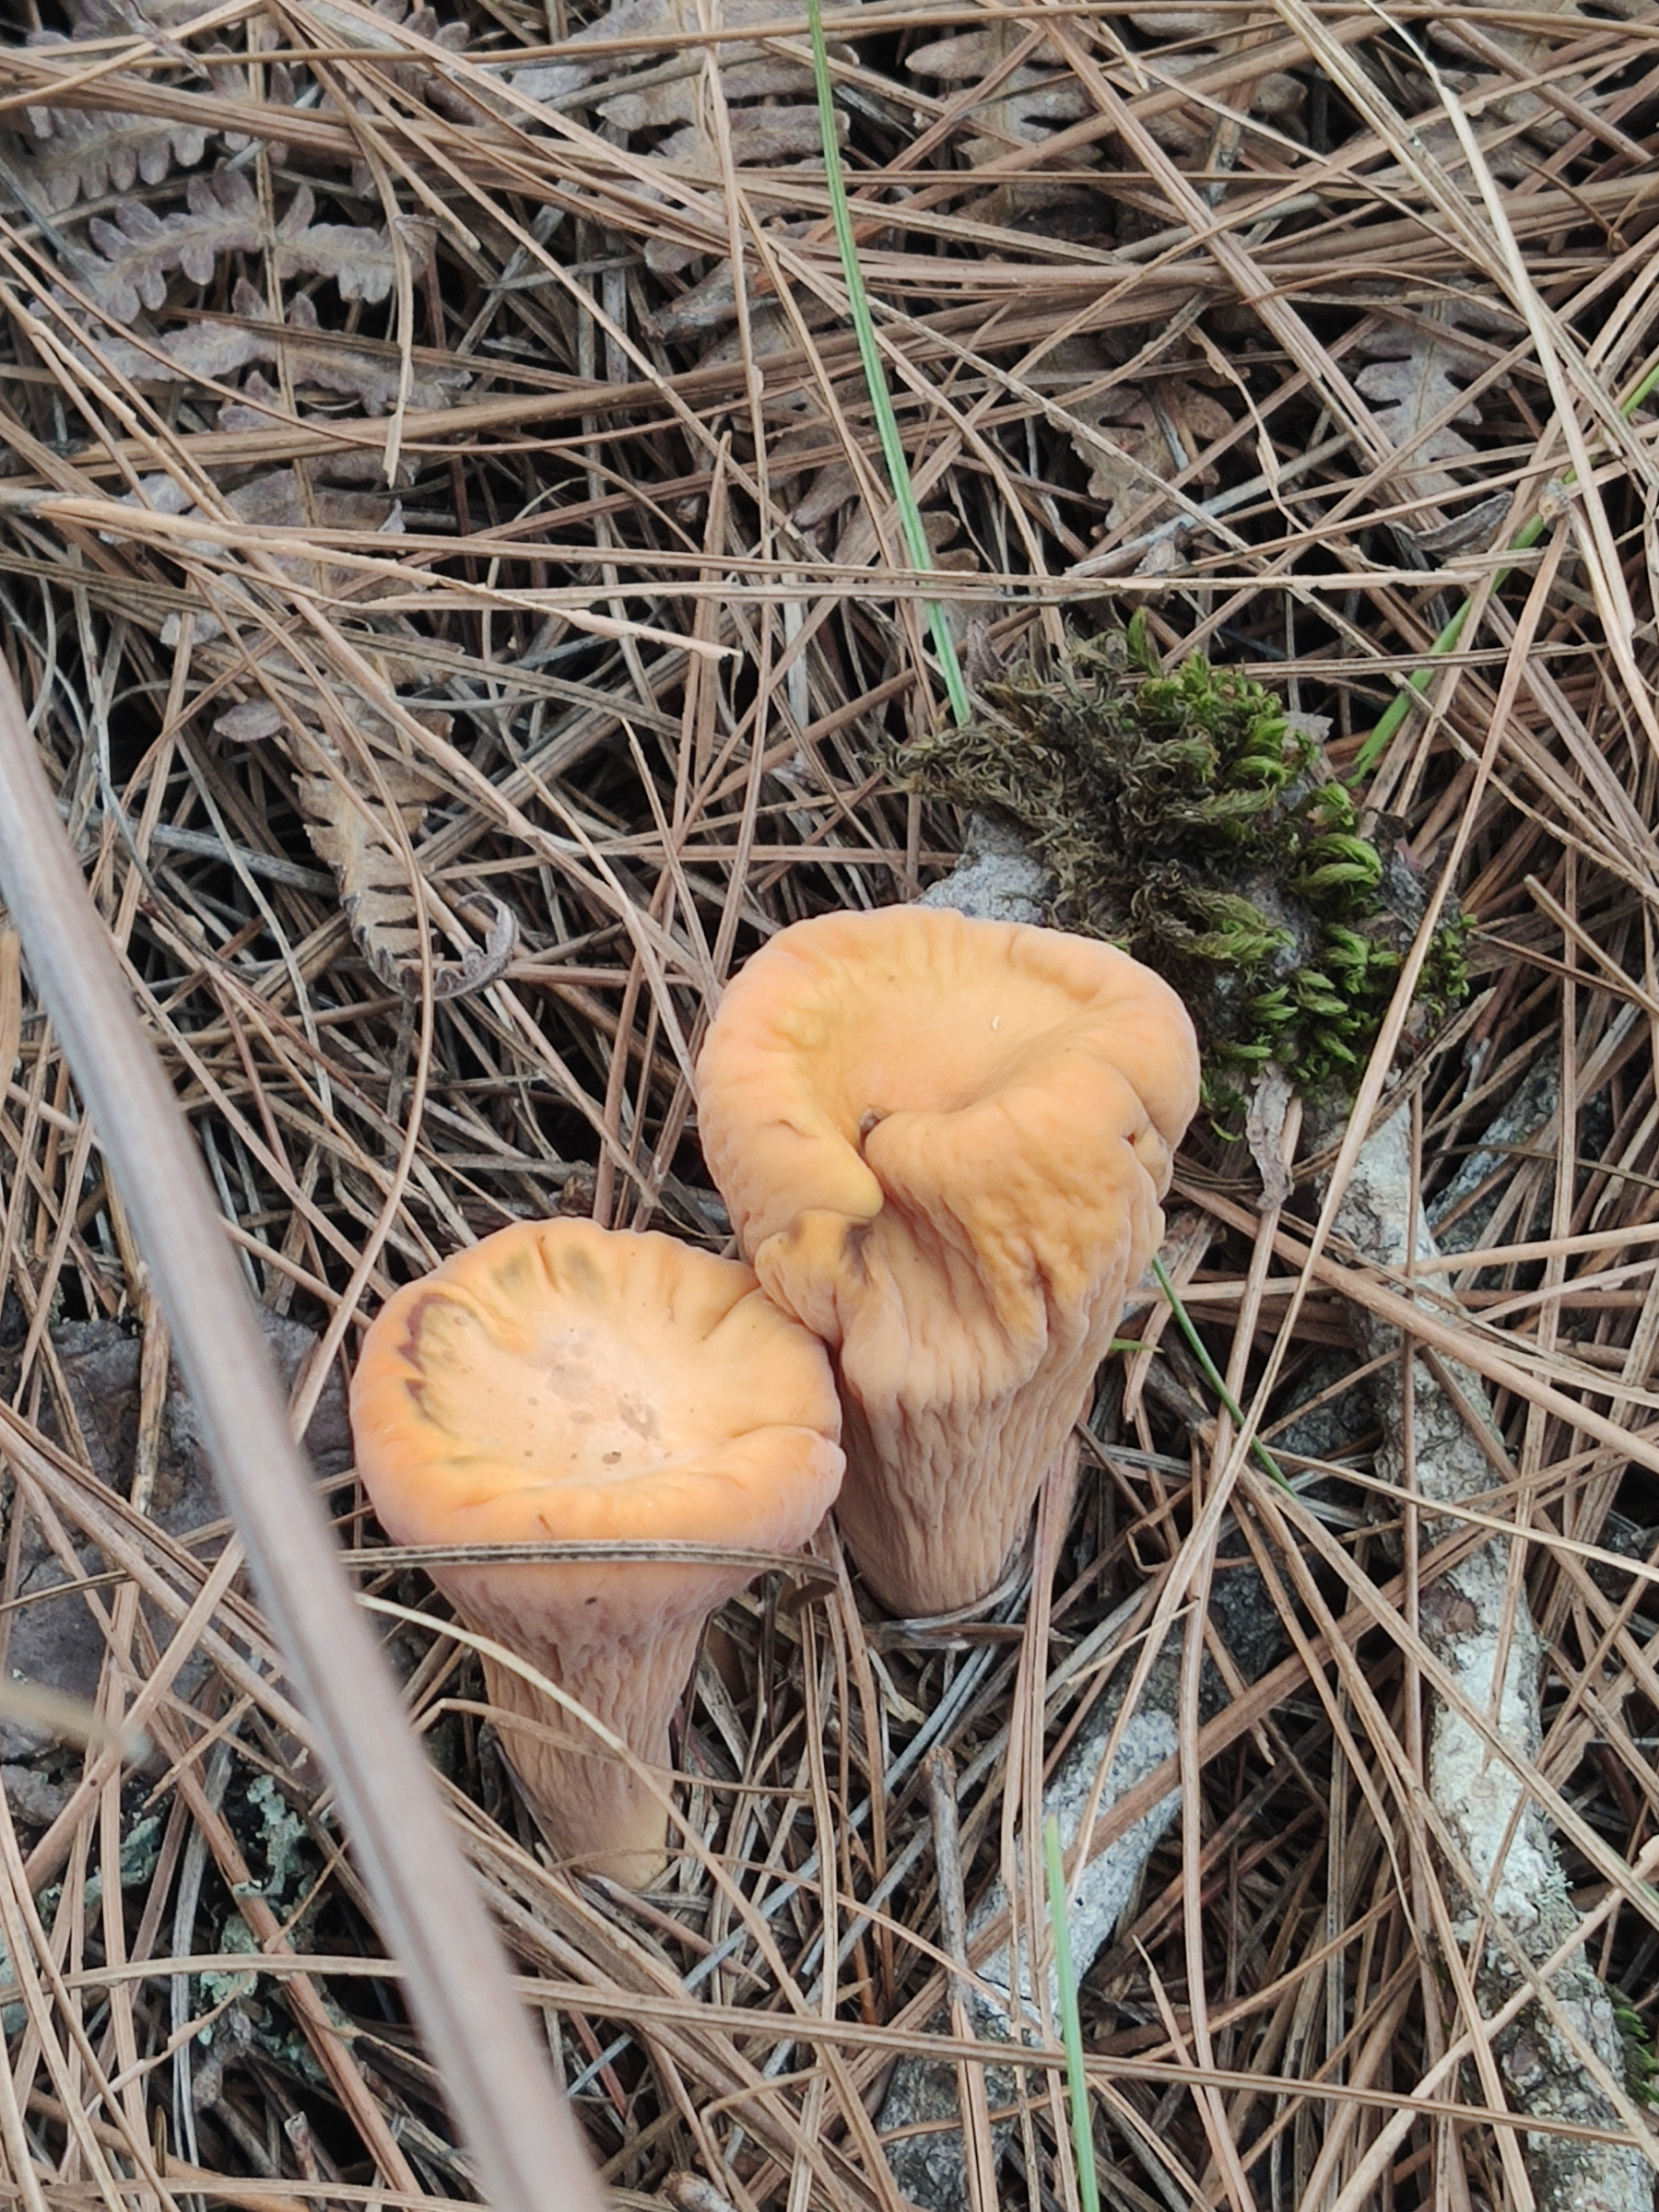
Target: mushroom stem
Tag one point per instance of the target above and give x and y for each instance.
(595, 1807)
(892, 1528)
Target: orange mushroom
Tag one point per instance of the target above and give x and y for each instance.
(560, 1383)
(942, 1142)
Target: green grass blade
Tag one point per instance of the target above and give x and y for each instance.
(1071, 2026)
(887, 422)
(1524, 539)
(1212, 1373)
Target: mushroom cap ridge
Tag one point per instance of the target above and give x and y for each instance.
(943, 1142)
(561, 1382)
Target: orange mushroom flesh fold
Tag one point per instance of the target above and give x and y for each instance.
(944, 1143)
(564, 1383)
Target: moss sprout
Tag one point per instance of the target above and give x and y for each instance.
(1186, 817)
(1641, 2071)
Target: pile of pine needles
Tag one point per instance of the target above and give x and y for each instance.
(447, 552)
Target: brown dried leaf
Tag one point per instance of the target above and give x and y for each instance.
(263, 405)
(711, 303)
(775, 137)
(1029, 102)
(278, 500)
(1133, 437)
(1530, 52)
(940, 527)
(829, 492)
(283, 499)
(251, 723)
(1190, 132)
(410, 786)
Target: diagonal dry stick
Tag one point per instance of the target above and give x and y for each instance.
(523, 2139)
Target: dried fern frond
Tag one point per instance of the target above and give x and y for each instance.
(84, 153)
(770, 120)
(344, 809)
(1030, 99)
(286, 498)
(411, 73)
(222, 216)
(1412, 377)
(349, 831)
(1135, 436)
(747, 71)
(314, 361)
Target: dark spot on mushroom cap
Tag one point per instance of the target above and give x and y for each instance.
(415, 1318)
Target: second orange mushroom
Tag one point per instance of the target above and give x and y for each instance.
(944, 1143)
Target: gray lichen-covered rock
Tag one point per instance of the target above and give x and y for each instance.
(56, 1640)
(1507, 1874)
(999, 877)
(930, 2167)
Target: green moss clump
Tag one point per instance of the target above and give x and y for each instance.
(1185, 819)
(1640, 2066)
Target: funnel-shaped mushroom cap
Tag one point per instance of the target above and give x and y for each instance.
(560, 1383)
(942, 1142)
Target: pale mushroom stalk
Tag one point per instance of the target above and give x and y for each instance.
(942, 1142)
(629, 1672)
(563, 1384)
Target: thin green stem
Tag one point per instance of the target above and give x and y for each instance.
(1524, 539)
(1212, 1373)
(869, 352)
(1071, 2026)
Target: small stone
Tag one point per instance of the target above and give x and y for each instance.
(33, 1800)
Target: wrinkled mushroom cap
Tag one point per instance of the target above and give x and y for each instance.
(942, 1142)
(564, 1383)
